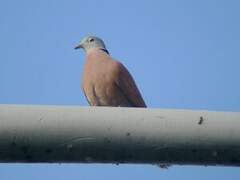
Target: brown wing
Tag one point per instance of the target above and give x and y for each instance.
(128, 87)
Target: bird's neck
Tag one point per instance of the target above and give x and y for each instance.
(89, 51)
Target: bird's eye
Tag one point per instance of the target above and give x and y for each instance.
(91, 40)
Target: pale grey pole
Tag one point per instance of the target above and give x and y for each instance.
(118, 135)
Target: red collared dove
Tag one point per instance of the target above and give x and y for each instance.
(105, 81)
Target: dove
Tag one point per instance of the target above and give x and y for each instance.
(106, 81)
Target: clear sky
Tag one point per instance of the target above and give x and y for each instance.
(183, 55)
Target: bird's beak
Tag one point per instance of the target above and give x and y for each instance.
(78, 46)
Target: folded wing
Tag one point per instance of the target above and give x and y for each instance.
(128, 87)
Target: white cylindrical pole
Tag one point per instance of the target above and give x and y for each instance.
(118, 135)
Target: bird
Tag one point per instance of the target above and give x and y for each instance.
(106, 81)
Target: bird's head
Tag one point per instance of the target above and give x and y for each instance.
(91, 42)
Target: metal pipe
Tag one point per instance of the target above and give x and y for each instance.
(32, 133)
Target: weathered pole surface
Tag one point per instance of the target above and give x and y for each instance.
(62, 134)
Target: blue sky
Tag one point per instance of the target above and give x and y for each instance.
(182, 54)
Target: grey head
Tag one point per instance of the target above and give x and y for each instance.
(91, 42)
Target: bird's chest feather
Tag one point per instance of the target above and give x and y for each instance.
(97, 83)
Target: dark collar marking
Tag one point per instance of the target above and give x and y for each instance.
(106, 51)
